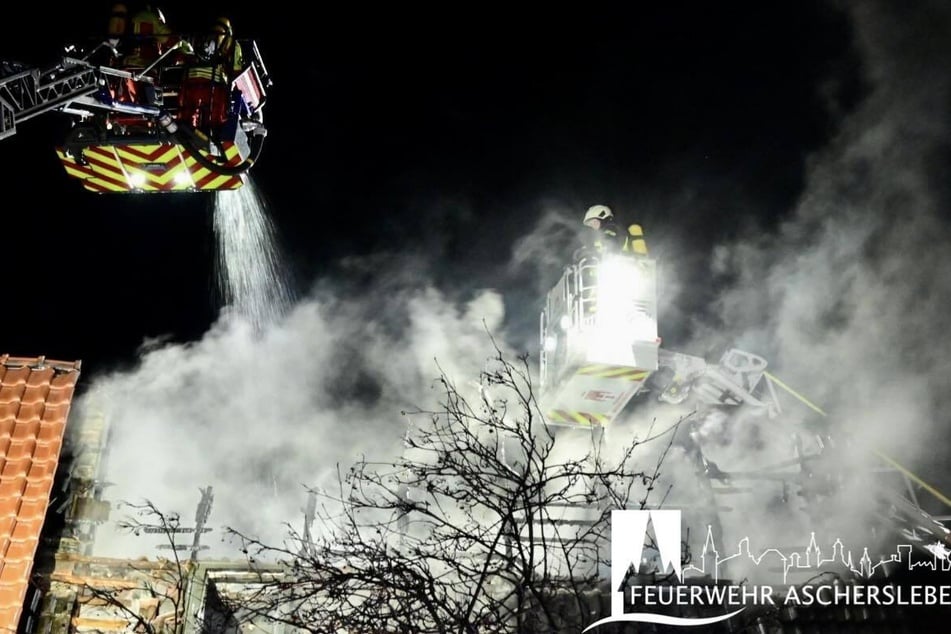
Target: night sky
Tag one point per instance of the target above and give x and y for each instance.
(442, 132)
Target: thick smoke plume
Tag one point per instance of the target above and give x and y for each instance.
(259, 415)
(849, 297)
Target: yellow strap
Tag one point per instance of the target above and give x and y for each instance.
(924, 485)
(802, 398)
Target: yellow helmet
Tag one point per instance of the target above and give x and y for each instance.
(222, 25)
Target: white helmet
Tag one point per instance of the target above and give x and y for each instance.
(598, 212)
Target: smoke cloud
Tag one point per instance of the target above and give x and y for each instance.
(260, 414)
(848, 299)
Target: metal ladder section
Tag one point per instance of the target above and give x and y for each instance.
(27, 92)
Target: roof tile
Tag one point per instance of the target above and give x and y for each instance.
(41, 471)
(8, 409)
(37, 490)
(14, 571)
(10, 489)
(9, 604)
(51, 432)
(26, 429)
(35, 395)
(27, 529)
(20, 449)
(40, 377)
(11, 394)
(19, 551)
(55, 413)
(15, 375)
(13, 469)
(46, 451)
(32, 508)
(59, 396)
(64, 380)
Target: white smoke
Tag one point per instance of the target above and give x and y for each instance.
(849, 297)
(259, 415)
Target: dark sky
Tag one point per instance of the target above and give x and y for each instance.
(445, 132)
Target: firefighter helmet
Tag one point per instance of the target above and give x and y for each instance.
(223, 25)
(598, 212)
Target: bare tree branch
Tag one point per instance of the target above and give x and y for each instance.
(490, 521)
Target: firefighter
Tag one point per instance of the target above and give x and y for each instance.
(205, 98)
(150, 35)
(609, 238)
(117, 31)
(118, 26)
(227, 49)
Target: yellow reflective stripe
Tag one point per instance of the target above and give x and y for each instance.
(136, 158)
(72, 171)
(613, 371)
(108, 185)
(576, 418)
(104, 156)
(626, 373)
(215, 183)
(639, 247)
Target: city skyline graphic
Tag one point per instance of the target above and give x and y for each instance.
(812, 559)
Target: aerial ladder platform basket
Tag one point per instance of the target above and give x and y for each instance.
(599, 340)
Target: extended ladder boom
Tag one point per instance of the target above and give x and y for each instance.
(28, 92)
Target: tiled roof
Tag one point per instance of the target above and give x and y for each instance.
(35, 395)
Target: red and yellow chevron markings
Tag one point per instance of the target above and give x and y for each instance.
(148, 167)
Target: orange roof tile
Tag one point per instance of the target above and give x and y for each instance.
(35, 395)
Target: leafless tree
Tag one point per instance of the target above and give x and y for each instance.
(489, 521)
